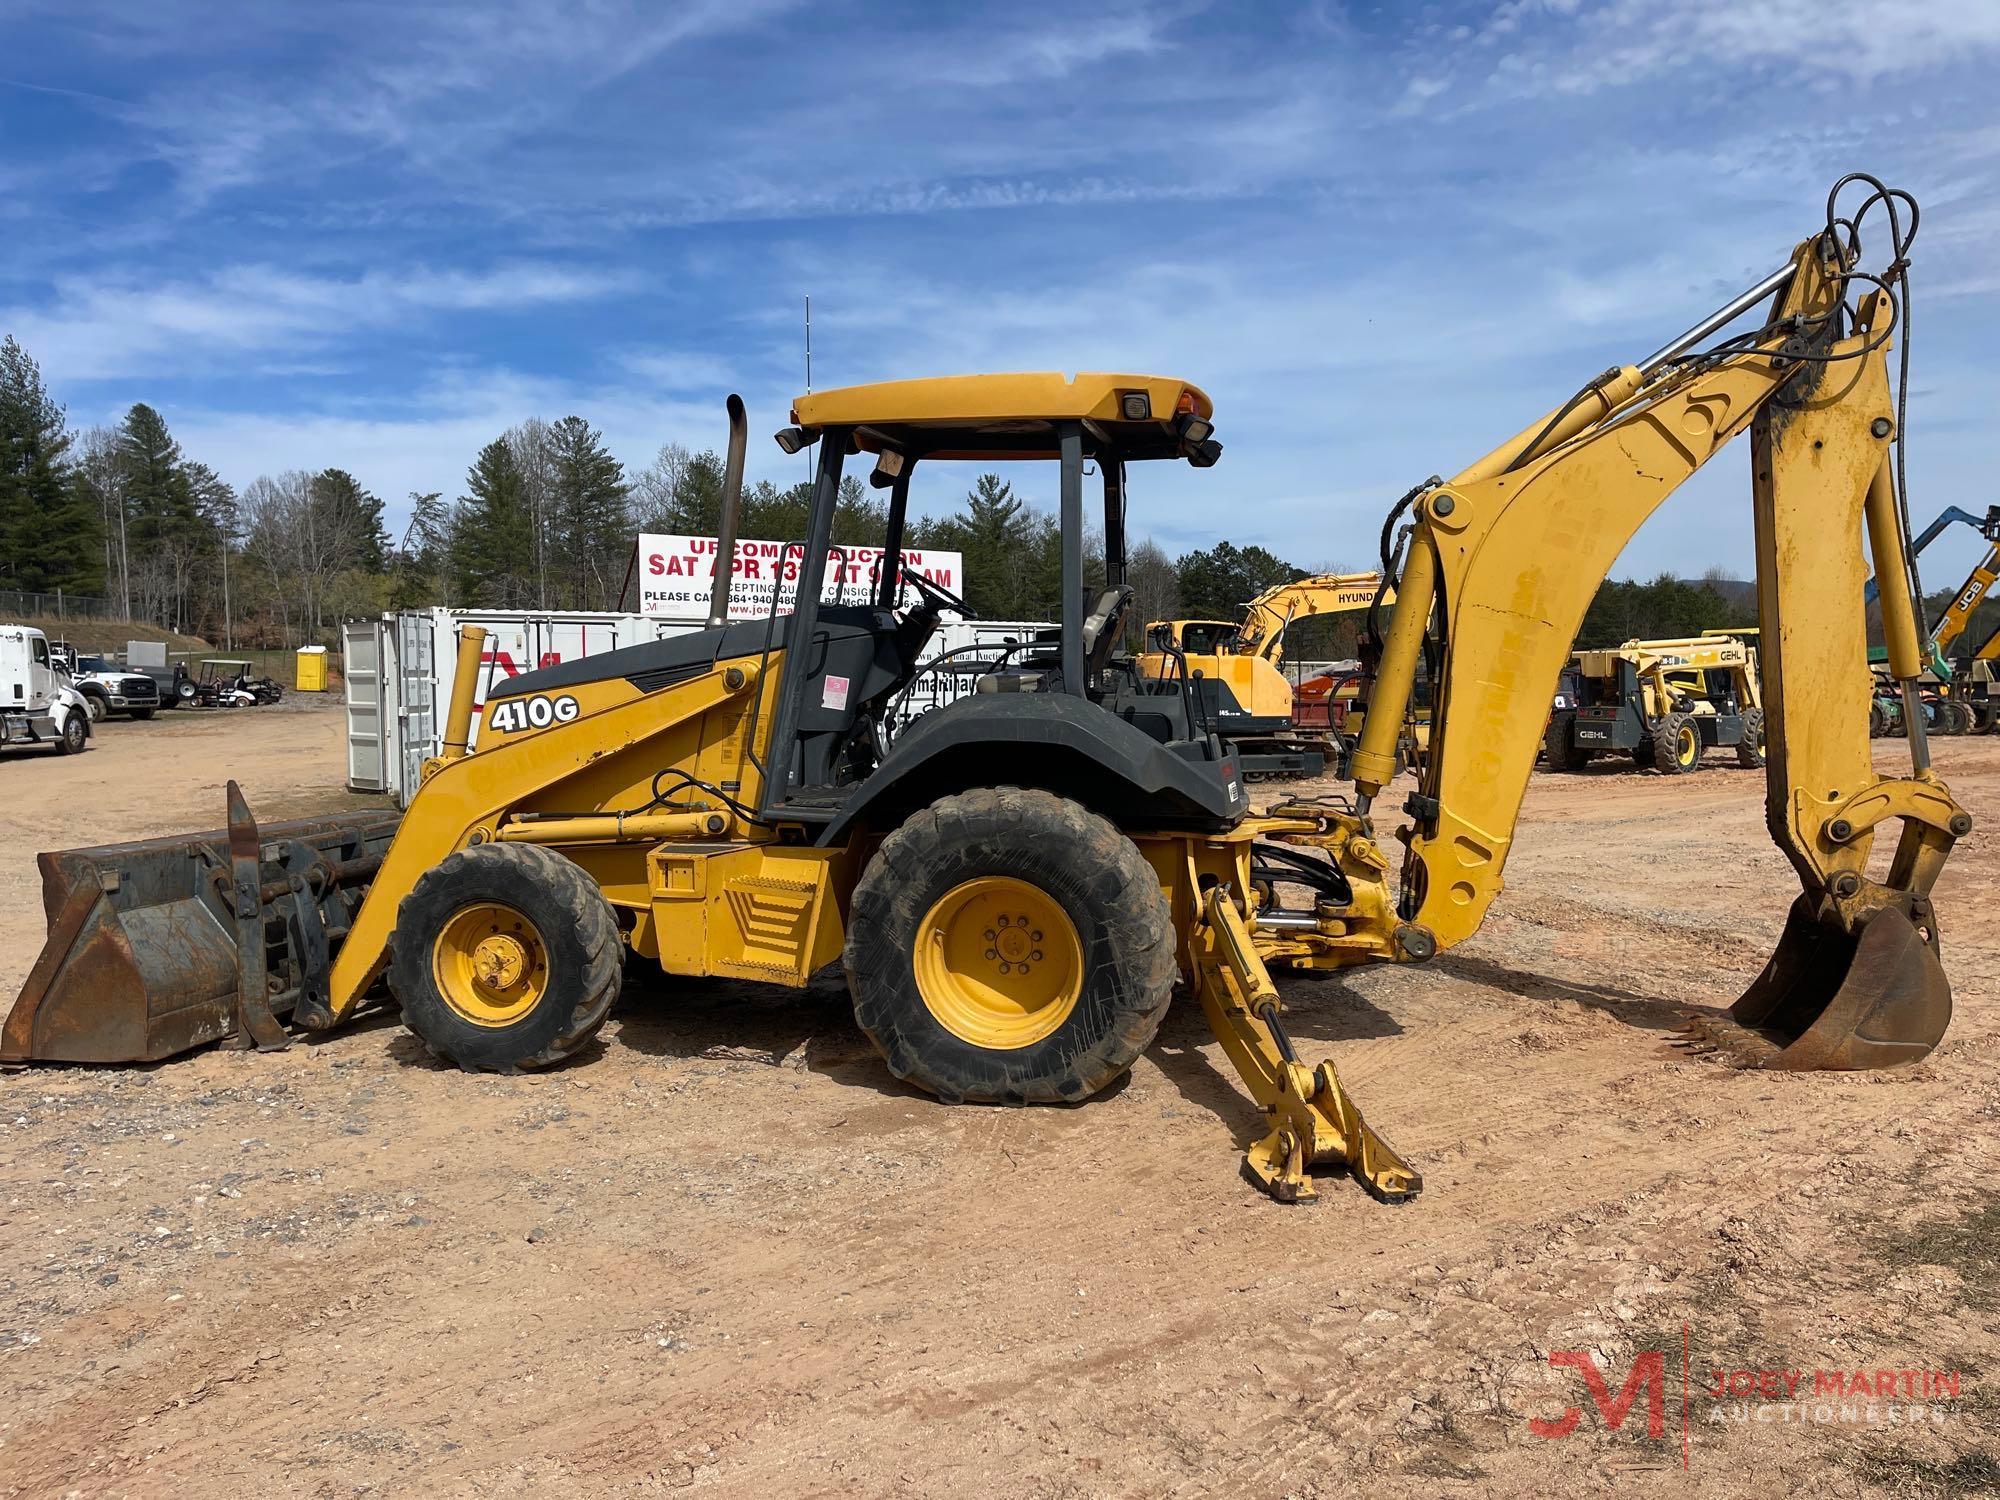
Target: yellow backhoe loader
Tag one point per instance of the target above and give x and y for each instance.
(1015, 887)
(1236, 664)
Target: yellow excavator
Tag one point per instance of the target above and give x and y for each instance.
(1016, 885)
(1235, 666)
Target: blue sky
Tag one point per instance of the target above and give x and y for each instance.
(1382, 236)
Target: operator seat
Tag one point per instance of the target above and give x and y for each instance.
(1041, 671)
(1103, 626)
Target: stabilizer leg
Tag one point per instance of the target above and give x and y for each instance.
(1313, 1121)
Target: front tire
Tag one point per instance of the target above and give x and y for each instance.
(95, 705)
(142, 714)
(1676, 745)
(74, 734)
(1009, 947)
(506, 956)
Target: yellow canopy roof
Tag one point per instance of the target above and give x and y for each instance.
(1005, 416)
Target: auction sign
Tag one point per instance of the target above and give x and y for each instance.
(676, 574)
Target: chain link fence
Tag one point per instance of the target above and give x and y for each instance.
(15, 604)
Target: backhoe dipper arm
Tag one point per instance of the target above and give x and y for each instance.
(1508, 554)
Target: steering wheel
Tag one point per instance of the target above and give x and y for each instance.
(937, 595)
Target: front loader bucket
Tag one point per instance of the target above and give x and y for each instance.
(161, 945)
(1831, 999)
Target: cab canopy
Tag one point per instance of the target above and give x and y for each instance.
(991, 418)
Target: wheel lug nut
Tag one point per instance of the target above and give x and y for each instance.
(991, 954)
(1003, 921)
(1036, 955)
(990, 934)
(1036, 936)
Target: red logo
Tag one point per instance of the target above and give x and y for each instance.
(1648, 1375)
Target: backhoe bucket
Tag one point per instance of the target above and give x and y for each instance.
(165, 944)
(1831, 999)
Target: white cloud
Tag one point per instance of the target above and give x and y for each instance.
(1559, 46)
(103, 328)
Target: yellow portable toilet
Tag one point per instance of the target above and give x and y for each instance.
(311, 673)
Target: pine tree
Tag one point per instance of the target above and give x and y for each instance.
(679, 493)
(360, 512)
(168, 538)
(48, 532)
(1217, 583)
(591, 524)
(493, 543)
(154, 476)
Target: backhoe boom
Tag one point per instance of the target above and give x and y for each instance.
(1504, 561)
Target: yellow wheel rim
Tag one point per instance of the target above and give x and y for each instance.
(998, 963)
(490, 964)
(1689, 745)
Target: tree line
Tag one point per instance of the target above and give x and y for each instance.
(546, 519)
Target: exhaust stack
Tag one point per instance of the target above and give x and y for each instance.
(732, 506)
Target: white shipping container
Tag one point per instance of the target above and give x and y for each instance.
(399, 673)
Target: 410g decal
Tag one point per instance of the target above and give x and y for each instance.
(537, 712)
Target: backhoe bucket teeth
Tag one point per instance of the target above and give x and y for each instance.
(145, 955)
(1830, 999)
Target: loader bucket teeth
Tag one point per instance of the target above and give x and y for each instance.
(143, 957)
(1828, 999)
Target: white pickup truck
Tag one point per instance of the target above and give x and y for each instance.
(108, 688)
(37, 704)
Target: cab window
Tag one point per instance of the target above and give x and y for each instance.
(41, 652)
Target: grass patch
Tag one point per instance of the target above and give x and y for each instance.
(1902, 1472)
(1969, 1245)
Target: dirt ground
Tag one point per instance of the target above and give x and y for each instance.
(727, 1252)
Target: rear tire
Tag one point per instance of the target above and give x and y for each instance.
(936, 917)
(506, 956)
(1557, 750)
(1878, 720)
(1961, 717)
(1676, 745)
(1750, 749)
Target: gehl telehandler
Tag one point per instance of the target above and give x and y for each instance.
(1016, 886)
